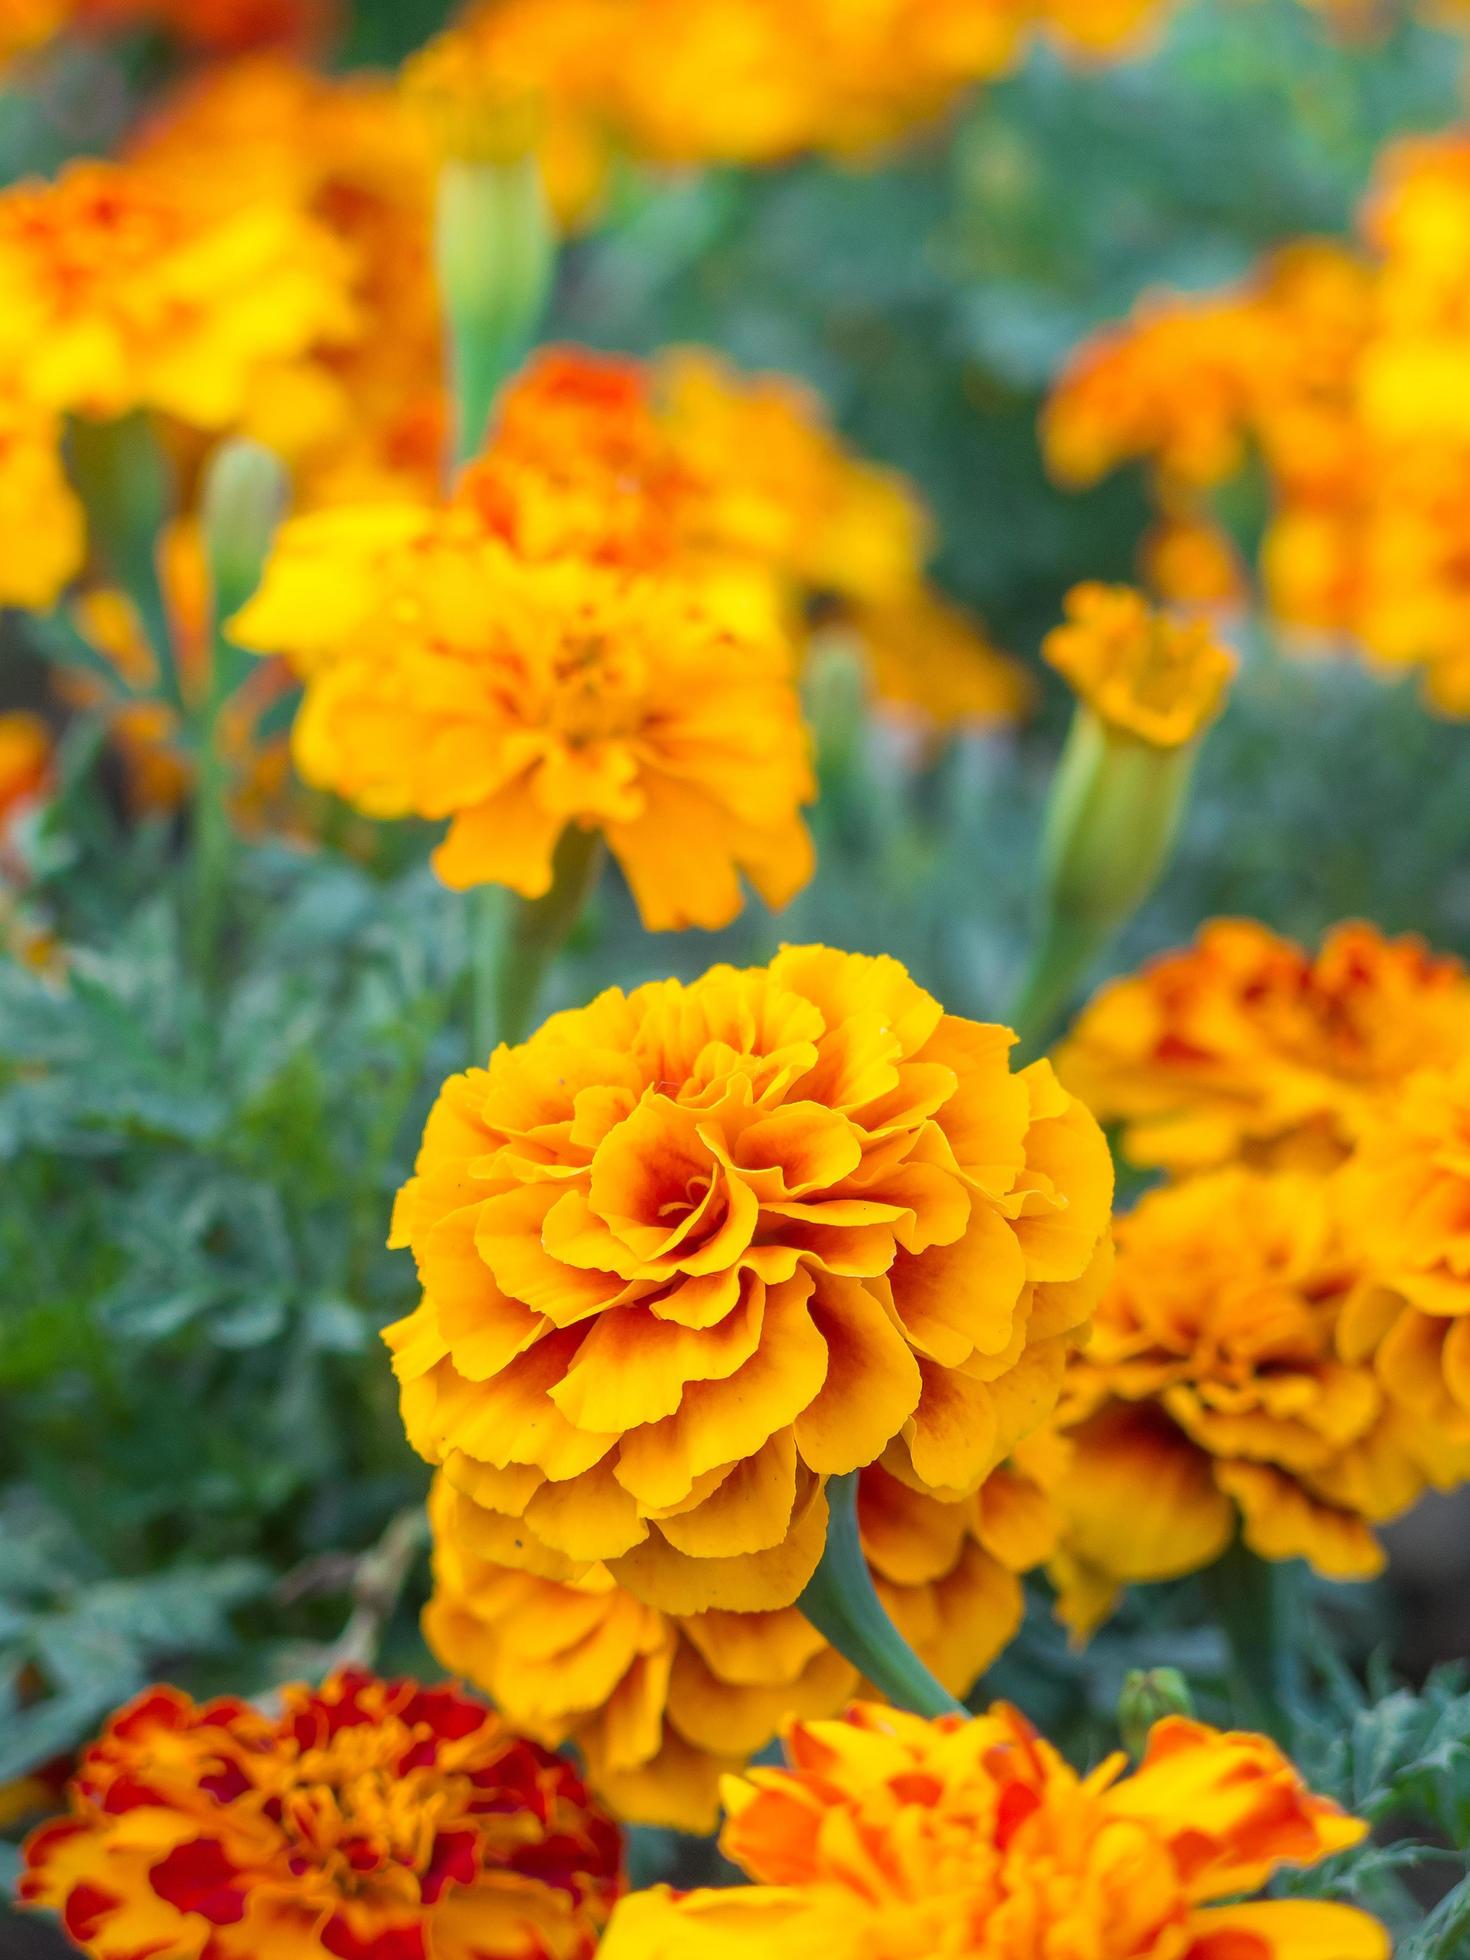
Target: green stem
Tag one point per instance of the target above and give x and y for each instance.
(1261, 1606)
(1064, 952)
(841, 1603)
(124, 482)
(513, 943)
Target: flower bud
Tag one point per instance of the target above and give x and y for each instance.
(244, 498)
(1148, 1696)
(1148, 687)
(494, 248)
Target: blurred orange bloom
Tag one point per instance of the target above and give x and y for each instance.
(1244, 1046)
(1158, 679)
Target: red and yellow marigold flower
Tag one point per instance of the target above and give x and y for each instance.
(892, 1838)
(1214, 1396)
(660, 1705)
(1244, 1046)
(371, 1819)
(1409, 1189)
(520, 700)
(122, 293)
(1145, 675)
(689, 1252)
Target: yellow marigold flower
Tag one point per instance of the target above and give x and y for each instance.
(889, 1838)
(1214, 1386)
(1144, 674)
(689, 1252)
(1245, 1046)
(660, 1706)
(372, 1819)
(45, 534)
(518, 700)
(1409, 1188)
(121, 293)
(25, 763)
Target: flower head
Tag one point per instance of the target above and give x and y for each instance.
(691, 1251)
(1146, 675)
(1409, 1188)
(1214, 1388)
(123, 293)
(447, 679)
(372, 1819)
(892, 1838)
(1245, 1046)
(661, 1705)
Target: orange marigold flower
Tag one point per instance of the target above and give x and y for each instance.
(890, 1838)
(1245, 1046)
(929, 659)
(689, 1252)
(371, 1819)
(1214, 1385)
(683, 461)
(660, 1706)
(1409, 1188)
(1147, 675)
(519, 700)
(122, 293)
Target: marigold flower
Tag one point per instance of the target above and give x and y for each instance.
(1409, 1188)
(121, 293)
(687, 1253)
(1214, 1385)
(1245, 1046)
(368, 1818)
(928, 659)
(660, 1706)
(1142, 673)
(518, 700)
(889, 1837)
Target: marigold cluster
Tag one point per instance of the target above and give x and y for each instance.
(1247, 1048)
(1145, 675)
(691, 1251)
(1340, 368)
(661, 1705)
(891, 1838)
(372, 1819)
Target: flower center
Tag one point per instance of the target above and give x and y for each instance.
(354, 1807)
(595, 691)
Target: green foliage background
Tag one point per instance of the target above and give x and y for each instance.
(198, 1438)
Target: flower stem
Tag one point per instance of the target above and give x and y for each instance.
(841, 1603)
(1261, 1606)
(515, 940)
